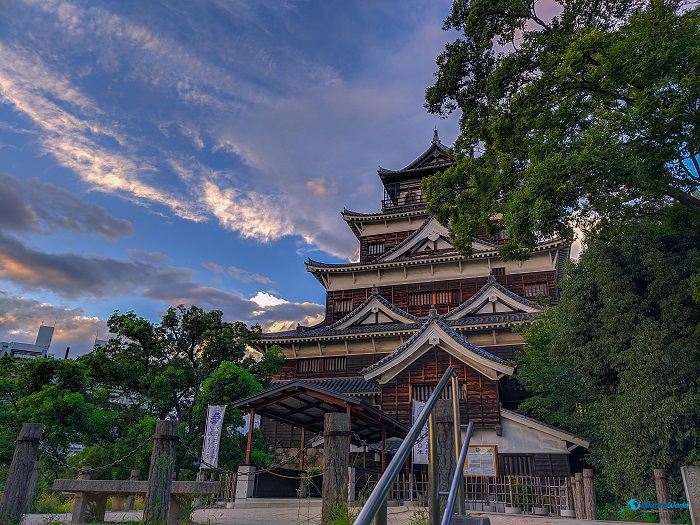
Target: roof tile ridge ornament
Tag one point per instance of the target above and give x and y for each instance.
(433, 314)
(491, 279)
(299, 329)
(436, 138)
(374, 291)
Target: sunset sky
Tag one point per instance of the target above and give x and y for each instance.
(156, 153)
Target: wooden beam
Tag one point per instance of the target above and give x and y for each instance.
(249, 447)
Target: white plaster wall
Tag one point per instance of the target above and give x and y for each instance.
(519, 439)
(481, 267)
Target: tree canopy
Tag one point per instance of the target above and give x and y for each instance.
(582, 120)
(618, 360)
(109, 400)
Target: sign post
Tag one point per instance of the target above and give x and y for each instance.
(420, 449)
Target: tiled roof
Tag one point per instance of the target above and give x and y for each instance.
(375, 295)
(478, 320)
(454, 335)
(435, 144)
(491, 281)
(344, 386)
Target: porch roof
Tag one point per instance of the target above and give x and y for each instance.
(304, 404)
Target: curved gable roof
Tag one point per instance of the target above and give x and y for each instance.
(434, 332)
(492, 289)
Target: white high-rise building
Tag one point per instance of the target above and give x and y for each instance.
(27, 350)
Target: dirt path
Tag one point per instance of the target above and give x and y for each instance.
(298, 512)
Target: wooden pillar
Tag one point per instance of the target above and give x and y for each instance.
(577, 486)
(134, 476)
(17, 498)
(444, 420)
(303, 448)
(349, 414)
(335, 465)
(589, 494)
(661, 482)
(249, 447)
(383, 449)
(433, 473)
(161, 472)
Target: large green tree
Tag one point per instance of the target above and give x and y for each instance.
(588, 118)
(618, 360)
(109, 400)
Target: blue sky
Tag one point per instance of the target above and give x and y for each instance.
(157, 153)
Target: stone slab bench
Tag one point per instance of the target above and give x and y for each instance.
(91, 496)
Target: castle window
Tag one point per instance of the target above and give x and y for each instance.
(535, 289)
(342, 305)
(336, 364)
(430, 298)
(375, 248)
(498, 271)
(410, 198)
(420, 299)
(309, 365)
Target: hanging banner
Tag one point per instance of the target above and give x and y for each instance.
(215, 421)
(420, 449)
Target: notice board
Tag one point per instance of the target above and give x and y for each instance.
(481, 461)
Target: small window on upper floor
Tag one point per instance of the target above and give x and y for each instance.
(410, 198)
(535, 289)
(342, 305)
(375, 248)
(498, 271)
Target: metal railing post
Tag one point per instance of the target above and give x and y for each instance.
(433, 494)
(383, 486)
(461, 506)
(457, 478)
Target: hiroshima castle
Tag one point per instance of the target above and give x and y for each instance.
(399, 317)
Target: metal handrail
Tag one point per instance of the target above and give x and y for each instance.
(457, 479)
(381, 490)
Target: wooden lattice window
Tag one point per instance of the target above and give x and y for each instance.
(309, 365)
(336, 364)
(423, 392)
(420, 299)
(430, 298)
(375, 248)
(535, 289)
(342, 305)
(498, 271)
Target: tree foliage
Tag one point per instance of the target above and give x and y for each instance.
(586, 119)
(109, 400)
(618, 360)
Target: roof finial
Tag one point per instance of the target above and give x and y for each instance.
(436, 138)
(374, 290)
(433, 312)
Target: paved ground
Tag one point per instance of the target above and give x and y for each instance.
(303, 512)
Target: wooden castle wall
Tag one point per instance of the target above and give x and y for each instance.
(390, 240)
(463, 290)
(479, 395)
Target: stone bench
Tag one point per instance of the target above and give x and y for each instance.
(91, 496)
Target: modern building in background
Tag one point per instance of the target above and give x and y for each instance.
(27, 350)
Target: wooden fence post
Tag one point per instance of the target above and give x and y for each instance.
(160, 474)
(589, 494)
(444, 420)
(17, 497)
(579, 505)
(661, 482)
(335, 464)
